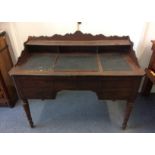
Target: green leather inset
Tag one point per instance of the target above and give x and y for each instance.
(76, 63)
(39, 62)
(114, 62)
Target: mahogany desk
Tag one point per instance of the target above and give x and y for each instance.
(105, 65)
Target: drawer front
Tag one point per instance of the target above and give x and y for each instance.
(35, 82)
(119, 87)
(88, 83)
(117, 82)
(64, 83)
(116, 94)
(37, 93)
(34, 87)
(76, 83)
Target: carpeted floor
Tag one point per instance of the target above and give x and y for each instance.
(76, 112)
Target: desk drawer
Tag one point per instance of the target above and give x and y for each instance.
(64, 83)
(37, 93)
(34, 87)
(119, 87)
(76, 83)
(88, 83)
(117, 82)
(34, 82)
(116, 94)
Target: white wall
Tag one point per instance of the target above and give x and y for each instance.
(19, 31)
(146, 45)
(146, 52)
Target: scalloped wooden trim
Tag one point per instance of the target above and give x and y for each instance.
(78, 35)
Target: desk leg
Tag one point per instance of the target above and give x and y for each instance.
(27, 111)
(127, 114)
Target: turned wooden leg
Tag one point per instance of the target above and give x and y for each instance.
(147, 86)
(127, 114)
(27, 111)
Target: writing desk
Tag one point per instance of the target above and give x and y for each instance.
(105, 65)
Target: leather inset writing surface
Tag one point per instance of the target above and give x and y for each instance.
(76, 63)
(39, 62)
(114, 62)
(80, 62)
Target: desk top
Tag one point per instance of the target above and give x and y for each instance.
(78, 54)
(78, 64)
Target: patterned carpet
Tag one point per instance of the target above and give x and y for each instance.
(79, 112)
